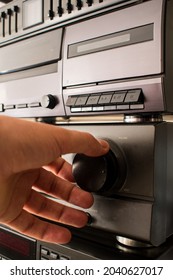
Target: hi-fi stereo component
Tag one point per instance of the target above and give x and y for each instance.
(82, 65)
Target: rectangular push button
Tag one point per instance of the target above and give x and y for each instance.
(137, 106)
(110, 108)
(98, 108)
(123, 107)
(9, 107)
(34, 104)
(87, 109)
(64, 258)
(76, 109)
(1, 107)
(21, 106)
(44, 251)
(54, 256)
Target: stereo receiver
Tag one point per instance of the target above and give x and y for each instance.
(79, 66)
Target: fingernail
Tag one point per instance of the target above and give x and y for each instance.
(104, 144)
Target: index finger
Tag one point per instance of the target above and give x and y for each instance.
(33, 145)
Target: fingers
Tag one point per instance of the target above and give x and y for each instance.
(33, 145)
(50, 184)
(61, 168)
(32, 226)
(40, 205)
(19, 213)
(72, 141)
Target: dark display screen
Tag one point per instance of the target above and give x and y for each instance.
(15, 246)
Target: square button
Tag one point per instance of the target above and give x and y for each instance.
(93, 100)
(81, 100)
(71, 101)
(133, 96)
(118, 97)
(105, 99)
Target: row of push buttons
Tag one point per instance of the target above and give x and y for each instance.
(47, 254)
(47, 101)
(119, 100)
(19, 106)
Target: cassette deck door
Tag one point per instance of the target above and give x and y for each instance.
(127, 45)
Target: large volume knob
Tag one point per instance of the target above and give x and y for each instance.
(104, 174)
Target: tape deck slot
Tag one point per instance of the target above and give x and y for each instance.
(31, 53)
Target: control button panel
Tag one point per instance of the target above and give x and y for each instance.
(132, 99)
(49, 254)
(47, 101)
(24, 17)
(9, 20)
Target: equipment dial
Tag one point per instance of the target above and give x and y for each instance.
(49, 101)
(104, 174)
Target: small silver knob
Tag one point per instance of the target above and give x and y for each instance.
(49, 101)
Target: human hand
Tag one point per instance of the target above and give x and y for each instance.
(31, 166)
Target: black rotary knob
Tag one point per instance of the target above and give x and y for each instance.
(104, 174)
(49, 101)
